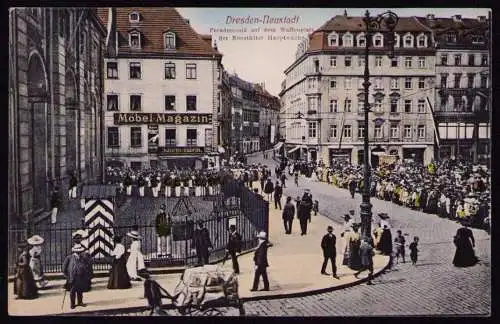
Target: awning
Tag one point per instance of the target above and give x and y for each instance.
(278, 146)
(378, 153)
(414, 146)
(296, 148)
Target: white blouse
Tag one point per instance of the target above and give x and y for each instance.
(118, 251)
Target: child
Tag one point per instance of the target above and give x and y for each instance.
(315, 207)
(399, 246)
(413, 250)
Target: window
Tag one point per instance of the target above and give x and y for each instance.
(378, 131)
(112, 70)
(190, 71)
(484, 81)
(190, 103)
(361, 61)
(333, 105)
(113, 137)
(134, 17)
(169, 71)
(422, 41)
(361, 130)
(378, 41)
(470, 80)
(360, 83)
(333, 84)
(135, 103)
(394, 62)
(361, 40)
(451, 37)
(134, 39)
(191, 137)
(407, 131)
(333, 131)
(377, 105)
(361, 105)
(484, 59)
(348, 105)
(112, 102)
(347, 40)
(456, 80)
(407, 83)
(394, 131)
(135, 136)
(421, 82)
(333, 61)
(169, 102)
(394, 105)
(347, 131)
(444, 59)
(169, 40)
(444, 103)
(312, 129)
(378, 83)
(135, 70)
(477, 39)
(444, 80)
(170, 140)
(397, 40)
(347, 61)
(408, 60)
(421, 62)
(471, 60)
(421, 131)
(347, 83)
(394, 83)
(408, 40)
(407, 106)
(333, 39)
(458, 59)
(421, 105)
(378, 60)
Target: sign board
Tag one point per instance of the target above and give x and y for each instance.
(161, 118)
(184, 150)
(378, 121)
(153, 137)
(272, 134)
(209, 138)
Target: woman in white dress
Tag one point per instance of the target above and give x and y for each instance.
(136, 259)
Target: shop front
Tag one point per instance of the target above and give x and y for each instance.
(339, 155)
(180, 157)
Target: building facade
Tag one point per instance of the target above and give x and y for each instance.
(268, 117)
(161, 88)
(55, 104)
(463, 87)
(323, 94)
(224, 114)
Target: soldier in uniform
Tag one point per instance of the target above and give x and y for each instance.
(163, 225)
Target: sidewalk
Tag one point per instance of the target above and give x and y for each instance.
(294, 270)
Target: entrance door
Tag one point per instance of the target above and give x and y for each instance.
(375, 157)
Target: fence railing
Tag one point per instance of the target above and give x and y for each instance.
(236, 205)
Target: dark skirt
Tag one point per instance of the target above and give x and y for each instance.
(25, 286)
(354, 257)
(464, 255)
(385, 245)
(118, 275)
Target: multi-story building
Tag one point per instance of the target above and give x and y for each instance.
(224, 114)
(268, 117)
(462, 91)
(245, 116)
(325, 85)
(161, 88)
(55, 104)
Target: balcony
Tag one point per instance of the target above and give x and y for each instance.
(394, 116)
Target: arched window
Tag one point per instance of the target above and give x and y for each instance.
(361, 40)
(378, 40)
(408, 40)
(169, 40)
(347, 40)
(134, 39)
(333, 39)
(422, 40)
(397, 40)
(134, 17)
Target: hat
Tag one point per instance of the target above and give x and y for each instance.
(77, 248)
(383, 215)
(329, 228)
(35, 240)
(262, 235)
(82, 233)
(134, 235)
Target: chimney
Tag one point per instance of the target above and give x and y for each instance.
(186, 21)
(457, 18)
(481, 18)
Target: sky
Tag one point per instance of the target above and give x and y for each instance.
(264, 60)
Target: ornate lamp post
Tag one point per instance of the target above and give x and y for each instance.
(386, 22)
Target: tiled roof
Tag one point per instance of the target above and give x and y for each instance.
(450, 23)
(154, 21)
(356, 24)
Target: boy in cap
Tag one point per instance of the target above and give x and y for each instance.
(154, 293)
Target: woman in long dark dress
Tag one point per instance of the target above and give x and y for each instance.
(464, 255)
(118, 275)
(385, 245)
(25, 286)
(354, 244)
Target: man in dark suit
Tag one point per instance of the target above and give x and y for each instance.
(233, 247)
(163, 226)
(278, 192)
(201, 243)
(329, 252)
(288, 214)
(304, 212)
(260, 260)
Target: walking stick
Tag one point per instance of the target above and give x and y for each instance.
(64, 297)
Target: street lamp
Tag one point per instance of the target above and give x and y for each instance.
(372, 25)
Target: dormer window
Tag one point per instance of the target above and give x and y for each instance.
(134, 17)
(347, 40)
(422, 40)
(476, 39)
(333, 39)
(134, 39)
(169, 38)
(397, 40)
(378, 40)
(361, 39)
(451, 37)
(408, 40)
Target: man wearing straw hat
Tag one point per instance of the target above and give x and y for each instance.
(35, 252)
(76, 272)
(261, 264)
(81, 237)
